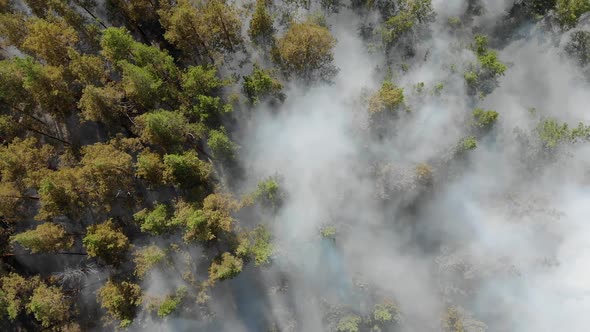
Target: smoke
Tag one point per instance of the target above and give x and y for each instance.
(501, 234)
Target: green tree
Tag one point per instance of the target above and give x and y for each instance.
(146, 258)
(386, 313)
(106, 171)
(101, 103)
(45, 238)
(16, 291)
(395, 27)
(121, 300)
(49, 305)
(10, 203)
(225, 267)
(150, 167)
(261, 28)
(25, 162)
(211, 221)
(261, 84)
(171, 303)
(186, 170)
(306, 50)
(106, 241)
(13, 27)
(12, 91)
(116, 44)
(484, 119)
(223, 25)
(387, 99)
(61, 193)
(349, 323)
(221, 145)
(88, 69)
(135, 14)
(257, 244)
(268, 193)
(143, 87)
(50, 41)
(484, 76)
(452, 321)
(569, 11)
(186, 29)
(467, 143)
(155, 221)
(411, 14)
(200, 80)
(164, 128)
(47, 87)
(193, 221)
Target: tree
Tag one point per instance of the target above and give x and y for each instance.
(221, 145)
(395, 27)
(268, 193)
(452, 321)
(142, 87)
(349, 323)
(150, 167)
(171, 303)
(88, 69)
(223, 25)
(121, 300)
(553, 133)
(200, 80)
(136, 14)
(46, 86)
(225, 267)
(25, 162)
(387, 99)
(46, 238)
(306, 51)
(569, 11)
(261, 28)
(484, 119)
(155, 221)
(116, 44)
(186, 170)
(146, 258)
(16, 291)
(211, 221)
(163, 128)
(467, 143)
(49, 305)
(217, 209)
(61, 193)
(10, 202)
(411, 15)
(106, 241)
(13, 27)
(105, 171)
(423, 174)
(50, 41)
(484, 78)
(12, 91)
(193, 220)
(184, 24)
(257, 244)
(385, 313)
(101, 103)
(261, 84)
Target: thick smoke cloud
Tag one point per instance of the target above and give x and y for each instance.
(502, 233)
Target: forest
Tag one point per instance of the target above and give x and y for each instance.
(294, 165)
